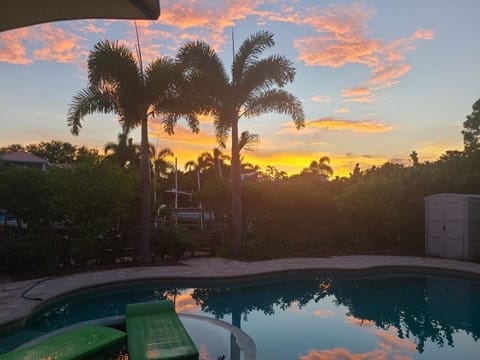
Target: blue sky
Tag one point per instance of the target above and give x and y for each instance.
(377, 79)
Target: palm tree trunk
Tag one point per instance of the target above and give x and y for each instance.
(145, 195)
(236, 192)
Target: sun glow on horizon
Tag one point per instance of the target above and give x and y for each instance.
(363, 74)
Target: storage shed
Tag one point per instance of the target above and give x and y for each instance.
(452, 226)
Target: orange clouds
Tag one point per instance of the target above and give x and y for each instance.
(342, 38)
(388, 75)
(389, 346)
(44, 42)
(182, 135)
(12, 49)
(358, 322)
(216, 16)
(358, 94)
(353, 125)
(294, 161)
(424, 34)
(321, 98)
(58, 45)
(324, 313)
(333, 53)
(184, 302)
(209, 19)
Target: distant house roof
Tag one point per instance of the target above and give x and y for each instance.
(23, 157)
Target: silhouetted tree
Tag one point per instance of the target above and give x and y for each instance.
(320, 168)
(471, 130)
(118, 84)
(124, 152)
(414, 158)
(248, 93)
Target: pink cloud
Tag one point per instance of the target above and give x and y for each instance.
(360, 94)
(390, 338)
(324, 313)
(388, 75)
(333, 53)
(209, 19)
(356, 91)
(358, 322)
(423, 34)
(58, 45)
(343, 38)
(92, 26)
(321, 98)
(44, 42)
(389, 346)
(12, 48)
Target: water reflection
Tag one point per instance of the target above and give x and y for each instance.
(423, 308)
(183, 300)
(386, 317)
(404, 313)
(389, 346)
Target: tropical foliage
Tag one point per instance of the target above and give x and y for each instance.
(254, 88)
(376, 210)
(118, 84)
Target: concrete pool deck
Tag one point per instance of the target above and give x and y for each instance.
(19, 299)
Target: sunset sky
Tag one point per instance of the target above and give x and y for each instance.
(377, 79)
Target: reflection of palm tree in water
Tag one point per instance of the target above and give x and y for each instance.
(236, 321)
(416, 306)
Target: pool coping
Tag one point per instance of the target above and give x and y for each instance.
(18, 300)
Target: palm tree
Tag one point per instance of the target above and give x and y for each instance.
(249, 92)
(249, 167)
(320, 168)
(162, 165)
(125, 152)
(119, 85)
(214, 160)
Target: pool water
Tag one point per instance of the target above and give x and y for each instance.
(308, 317)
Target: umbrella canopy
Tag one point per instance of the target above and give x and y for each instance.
(18, 13)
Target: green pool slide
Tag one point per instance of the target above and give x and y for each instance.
(81, 343)
(155, 332)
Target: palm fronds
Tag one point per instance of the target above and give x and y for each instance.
(276, 100)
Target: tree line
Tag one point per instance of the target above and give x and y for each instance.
(374, 210)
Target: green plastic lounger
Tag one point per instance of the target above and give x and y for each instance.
(80, 343)
(155, 332)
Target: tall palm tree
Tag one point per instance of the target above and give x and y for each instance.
(320, 168)
(118, 84)
(214, 160)
(161, 163)
(124, 152)
(249, 92)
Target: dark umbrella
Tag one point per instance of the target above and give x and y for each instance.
(14, 13)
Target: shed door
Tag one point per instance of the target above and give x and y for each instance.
(446, 227)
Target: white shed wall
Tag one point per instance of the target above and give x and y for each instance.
(452, 226)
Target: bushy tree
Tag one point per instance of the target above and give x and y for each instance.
(471, 128)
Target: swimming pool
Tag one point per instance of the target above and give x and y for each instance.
(306, 316)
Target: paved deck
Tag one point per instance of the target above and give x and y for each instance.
(14, 307)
